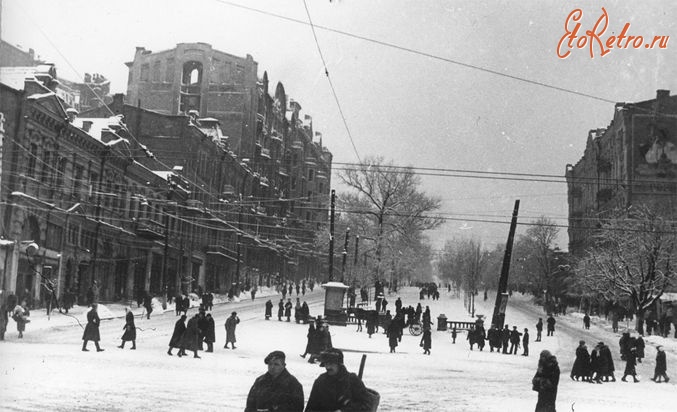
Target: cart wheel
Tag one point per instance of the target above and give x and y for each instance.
(415, 329)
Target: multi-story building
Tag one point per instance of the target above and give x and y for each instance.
(632, 161)
(72, 187)
(193, 76)
(139, 200)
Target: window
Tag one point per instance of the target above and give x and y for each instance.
(156, 72)
(213, 70)
(61, 173)
(77, 181)
(169, 71)
(32, 158)
(46, 166)
(145, 68)
(192, 73)
(310, 175)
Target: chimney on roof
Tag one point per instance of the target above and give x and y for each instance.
(87, 125)
(118, 103)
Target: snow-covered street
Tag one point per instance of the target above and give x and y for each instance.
(47, 370)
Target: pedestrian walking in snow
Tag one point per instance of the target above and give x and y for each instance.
(426, 340)
(130, 330)
(148, 304)
(640, 345)
(597, 364)
(231, 323)
(661, 366)
(539, 329)
(393, 334)
(545, 382)
(630, 363)
(209, 335)
(277, 389)
(92, 329)
(297, 311)
(454, 334)
(287, 308)
(269, 309)
(280, 309)
(175, 340)
(551, 325)
(607, 366)
(20, 315)
(586, 321)
(582, 363)
(310, 342)
(189, 339)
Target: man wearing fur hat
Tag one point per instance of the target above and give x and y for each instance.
(277, 389)
(337, 389)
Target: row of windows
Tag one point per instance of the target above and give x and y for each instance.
(220, 72)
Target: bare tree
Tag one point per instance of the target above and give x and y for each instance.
(632, 260)
(391, 198)
(539, 245)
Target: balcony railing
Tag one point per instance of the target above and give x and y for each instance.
(149, 229)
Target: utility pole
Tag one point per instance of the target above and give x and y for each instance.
(498, 318)
(331, 235)
(345, 255)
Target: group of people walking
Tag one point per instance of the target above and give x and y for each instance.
(597, 366)
(200, 330)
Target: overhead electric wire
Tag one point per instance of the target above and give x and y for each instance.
(331, 84)
(418, 52)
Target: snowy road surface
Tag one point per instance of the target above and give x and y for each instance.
(47, 371)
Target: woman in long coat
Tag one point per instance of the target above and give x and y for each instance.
(545, 382)
(311, 340)
(179, 328)
(581, 368)
(20, 315)
(130, 330)
(92, 329)
(189, 338)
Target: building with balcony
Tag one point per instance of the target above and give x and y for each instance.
(632, 161)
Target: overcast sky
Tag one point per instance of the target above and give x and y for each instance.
(457, 85)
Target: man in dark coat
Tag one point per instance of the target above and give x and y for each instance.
(586, 321)
(230, 325)
(201, 327)
(505, 338)
(596, 363)
(545, 382)
(525, 342)
(280, 309)
(277, 389)
(179, 328)
(551, 325)
(514, 340)
(337, 389)
(426, 340)
(92, 329)
(148, 304)
(539, 329)
(130, 330)
(269, 309)
(640, 345)
(287, 308)
(661, 366)
(210, 333)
